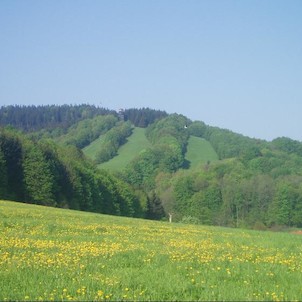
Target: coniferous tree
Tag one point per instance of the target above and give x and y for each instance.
(155, 209)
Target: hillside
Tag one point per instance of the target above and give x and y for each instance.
(135, 143)
(57, 254)
(245, 182)
(199, 151)
(91, 150)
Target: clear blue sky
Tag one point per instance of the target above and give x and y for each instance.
(231, 64)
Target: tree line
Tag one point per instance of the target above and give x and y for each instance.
(34, 118)
(112, 140)
(143, 117)
(45, 173)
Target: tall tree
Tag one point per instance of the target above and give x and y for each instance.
(3, 175)
(38, 179)
(11, 146)
(155, 209)
(280, 209)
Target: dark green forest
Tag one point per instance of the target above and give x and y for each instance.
(46, 173)
(254, 184)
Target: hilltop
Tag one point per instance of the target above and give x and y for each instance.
(147, 163)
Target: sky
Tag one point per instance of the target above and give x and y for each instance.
(231, 64)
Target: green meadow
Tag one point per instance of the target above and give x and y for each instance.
(127, 152)
(59, 254)
(91, 150)
(200, 151)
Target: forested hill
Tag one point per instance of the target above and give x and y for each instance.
(247, 183)
(34, 118)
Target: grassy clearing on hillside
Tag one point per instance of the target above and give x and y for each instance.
(92, 149)
(134, 145)
(199, 151)
(56, 254)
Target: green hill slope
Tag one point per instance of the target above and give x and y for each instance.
(199, 151)
(91, 150)
(51, 254)
(135, 144)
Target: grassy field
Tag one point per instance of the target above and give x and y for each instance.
(56, 254)
(135, 144)
(92, 149)
(199, 151)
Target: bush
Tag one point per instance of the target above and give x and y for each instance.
(190, 220)
(259, 226)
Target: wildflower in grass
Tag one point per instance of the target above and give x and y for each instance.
(196, 255)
